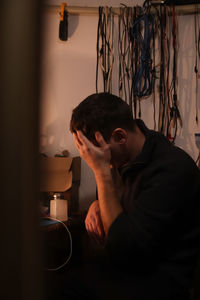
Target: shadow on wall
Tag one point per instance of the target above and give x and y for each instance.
(73, 22)
(53, 138)
(187, 95)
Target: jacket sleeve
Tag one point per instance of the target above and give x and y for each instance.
(162, 209)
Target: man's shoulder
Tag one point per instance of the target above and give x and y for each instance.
(166, 151)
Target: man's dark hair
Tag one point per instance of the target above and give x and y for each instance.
(101, 112)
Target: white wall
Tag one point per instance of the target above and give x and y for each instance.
(69, 70)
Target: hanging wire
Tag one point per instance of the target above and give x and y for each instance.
(197, 55)
(139, 31)
(154, 64)
(136, 48)
(175, 116)
(105, 53)
(125, 54)
(163, 95)
(142, 31)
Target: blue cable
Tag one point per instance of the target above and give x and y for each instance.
(144, 78)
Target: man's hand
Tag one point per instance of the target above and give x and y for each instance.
(93, 222)
(97, 158)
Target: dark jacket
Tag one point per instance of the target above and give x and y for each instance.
(157, 237)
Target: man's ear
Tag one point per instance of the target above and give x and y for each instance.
(119, 135)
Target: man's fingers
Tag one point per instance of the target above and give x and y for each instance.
(89, 227)
(98, 228)
(92, 232)
(100, 140)
(94, 225)
(76, 140)
(94, 228)
(83, 140)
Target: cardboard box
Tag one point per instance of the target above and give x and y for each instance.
(56, 174)
(61, 174)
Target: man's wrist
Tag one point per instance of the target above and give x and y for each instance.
(102, 172)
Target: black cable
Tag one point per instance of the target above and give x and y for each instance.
(154, 78)
(197, 56)
(105, 47)
(162, 70)
(119, 51)
(125, 55)
(136, 46)
(97, 48)
(142, 31)
(175, 113)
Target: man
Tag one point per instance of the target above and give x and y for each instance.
(148, 208)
